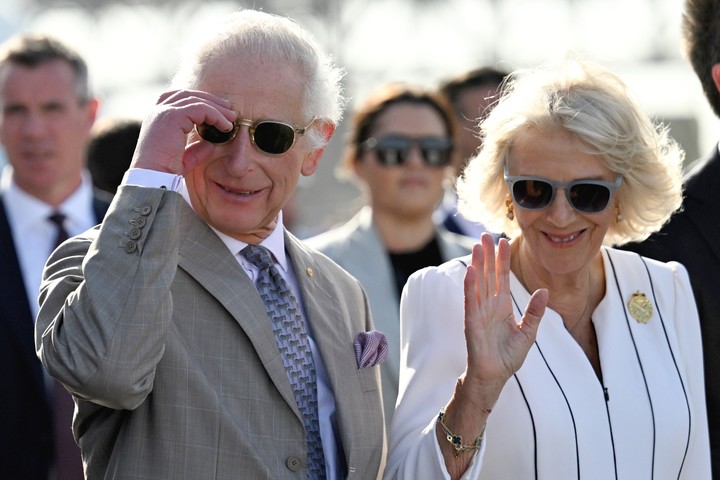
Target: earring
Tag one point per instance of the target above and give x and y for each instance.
(510, 208)
(618, 215)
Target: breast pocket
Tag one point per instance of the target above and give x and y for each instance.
(369, 378)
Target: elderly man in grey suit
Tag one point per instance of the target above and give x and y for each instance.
(198, 337)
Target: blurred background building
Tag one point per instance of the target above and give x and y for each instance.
(133, 47)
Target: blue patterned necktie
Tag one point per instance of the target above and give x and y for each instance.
(292, 339)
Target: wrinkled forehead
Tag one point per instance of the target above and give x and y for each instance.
(257, 90)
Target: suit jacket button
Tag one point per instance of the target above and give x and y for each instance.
(145, 210)
(294, 463)
(130, 246)
(134, 233)
(139, 222)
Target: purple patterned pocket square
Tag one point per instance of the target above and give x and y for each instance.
(371, 348)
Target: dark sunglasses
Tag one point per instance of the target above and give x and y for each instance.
(393, 150)
(586, 196)
(268, 136)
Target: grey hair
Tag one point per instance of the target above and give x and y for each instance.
(593, 104)
(267, 37)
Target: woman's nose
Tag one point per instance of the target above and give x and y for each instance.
(560, 211)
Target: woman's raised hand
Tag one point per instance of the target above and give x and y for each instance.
(496, 343)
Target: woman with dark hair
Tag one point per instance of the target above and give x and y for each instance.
(400, 151)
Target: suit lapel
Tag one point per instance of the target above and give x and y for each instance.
(329, 334)
(377, 279)
(206, 258)
(15, 310)
(334, 338)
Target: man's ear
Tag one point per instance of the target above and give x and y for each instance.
(311, 162)
(92, 108)
(715, 72)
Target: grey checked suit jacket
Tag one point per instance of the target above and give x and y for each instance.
(157, 330)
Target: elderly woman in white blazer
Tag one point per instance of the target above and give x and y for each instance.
(400, 152)
(556, 355)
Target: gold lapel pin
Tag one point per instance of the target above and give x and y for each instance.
(640, 307)
(309, 272)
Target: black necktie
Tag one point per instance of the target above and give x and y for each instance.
(58, 219)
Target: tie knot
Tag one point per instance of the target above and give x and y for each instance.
(258, 256)
(58, 218)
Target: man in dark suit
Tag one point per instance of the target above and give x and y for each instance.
(199, 337)
(46, 113)
(692, 237)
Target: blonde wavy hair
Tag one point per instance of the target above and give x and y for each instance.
(594, 105)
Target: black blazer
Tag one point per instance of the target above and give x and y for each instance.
(26, 437)
(692, 237)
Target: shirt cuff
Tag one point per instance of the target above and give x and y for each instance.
(152, 178)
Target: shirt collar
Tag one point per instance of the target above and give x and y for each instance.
(25, 209)
(275, 242)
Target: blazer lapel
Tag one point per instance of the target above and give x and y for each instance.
(15, 312)
(206, 258)
(334, 338)
(329, 334)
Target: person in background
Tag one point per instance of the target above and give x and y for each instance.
(610, 383)
(472, 95)
(692, 237)
(110, 151)
(399, 150)
(46, 114)
(198, 336)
